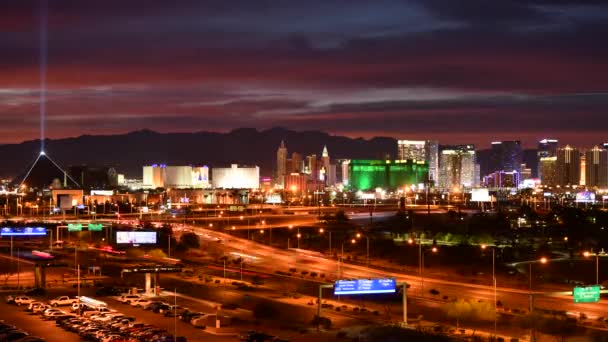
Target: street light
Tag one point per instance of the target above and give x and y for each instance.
(367, 240)
(483, 247)
(543, 261)
(602, 253)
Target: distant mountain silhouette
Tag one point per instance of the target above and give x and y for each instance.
(129, 152)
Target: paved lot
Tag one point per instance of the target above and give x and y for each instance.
(33, 325)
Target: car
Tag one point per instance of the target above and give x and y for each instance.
(10, 299)
(173, 310)
(40, 309)
(63, 300)
(49, 310)
(23, 300)
(153, 305)
(140, 302)
(13, 335)
(189, 315)
(246, 335)
(54, 315)
(32, 305)
(127, 299)
(36, 292)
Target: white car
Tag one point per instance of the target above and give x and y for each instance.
(33, 305)
(110, 338)
(141, 302)
(23, 300)
(63, 300)
(40, 309)
(106, 318)
(54, 314)
(49, 311)
(127, 299)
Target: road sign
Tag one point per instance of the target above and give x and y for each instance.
(364, 286)
(74, 227)
(589, 294)
(23, 231)
(95, 227)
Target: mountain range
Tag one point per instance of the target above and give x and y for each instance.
(247, 146)
(129, 152)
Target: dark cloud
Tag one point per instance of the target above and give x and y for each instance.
(121, 65)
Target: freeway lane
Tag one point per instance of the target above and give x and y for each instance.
(272, 259)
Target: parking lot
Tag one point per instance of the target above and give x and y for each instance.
(142, 320)
(33, 325)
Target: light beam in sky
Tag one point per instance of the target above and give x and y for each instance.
(43, 67)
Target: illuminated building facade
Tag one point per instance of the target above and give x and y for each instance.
(548, 171)
(568, 166)
(506, 156)
(596, 168)
(235, 177)
(546, 148)
(368, 175)
(458, 167)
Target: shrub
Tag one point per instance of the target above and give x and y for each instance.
(322, 321)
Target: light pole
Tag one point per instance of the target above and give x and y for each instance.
(597, 256)
(352, 241)
(542, 260)
(366, 238)
(493, 280)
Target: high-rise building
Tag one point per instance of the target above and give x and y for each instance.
(411, 150)
(526, 172)
(506, 156)
(583, 171)
(568, 166)
(312, 167)
(420, 150)
(281, 163)
(596, 170)
(548, 171)
(457, 167)
(345, 171)
(431, 150)
(296, 162)
(546, 148)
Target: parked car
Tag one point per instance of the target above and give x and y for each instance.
(140, 302)
(32, 305)
(10, 299)
(23, 300)
(63, 300)
(127, 299)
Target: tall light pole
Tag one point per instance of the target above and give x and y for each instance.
(542, 260)
(493, 280)
(597, 256)
(367, 238)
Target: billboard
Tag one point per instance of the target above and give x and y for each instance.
(585, 197)
(480, 195)
(135, 238)
(23, 231)
(364, 286)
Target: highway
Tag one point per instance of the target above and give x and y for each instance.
(269, 259)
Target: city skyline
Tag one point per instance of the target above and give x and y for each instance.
(430, 70)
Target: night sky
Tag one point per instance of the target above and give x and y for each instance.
(468, 71)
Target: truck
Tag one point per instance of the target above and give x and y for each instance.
(63, 300)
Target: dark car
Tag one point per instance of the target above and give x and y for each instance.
(36, 292)
(108, 291)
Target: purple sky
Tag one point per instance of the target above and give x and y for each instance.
(468, 71)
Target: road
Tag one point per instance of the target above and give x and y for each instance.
(271, 259)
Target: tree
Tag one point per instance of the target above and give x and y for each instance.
(157, 253)
(190, 240)
(265, 311)
(458, 309)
